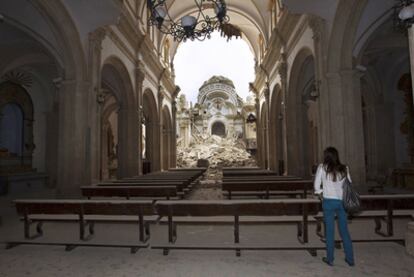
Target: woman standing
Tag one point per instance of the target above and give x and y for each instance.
(329, 180)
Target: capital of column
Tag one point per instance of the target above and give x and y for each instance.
(316, 24)
(96, 37)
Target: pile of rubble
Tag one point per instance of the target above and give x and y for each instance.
(220, 152)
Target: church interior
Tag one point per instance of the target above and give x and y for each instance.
(94, 128)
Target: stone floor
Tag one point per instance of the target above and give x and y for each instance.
(373, 259)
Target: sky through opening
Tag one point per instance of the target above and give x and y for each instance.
(197, 61)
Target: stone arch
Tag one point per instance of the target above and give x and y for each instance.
(276, 144)
(151, 132)
(125, 92)
(116, 82)
(344, 29)
(302, 132)
(16, 97)
(166, 138)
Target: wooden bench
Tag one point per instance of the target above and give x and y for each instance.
(380, 208)
(248, 173)
(300, 209)
(131, 191)
(261, 177)
(258, 187)
(180, 186)
(86, 213)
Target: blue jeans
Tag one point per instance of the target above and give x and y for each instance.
(332, 207)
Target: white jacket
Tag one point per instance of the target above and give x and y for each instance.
(324, 184)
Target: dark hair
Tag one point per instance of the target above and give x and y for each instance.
(332, 164)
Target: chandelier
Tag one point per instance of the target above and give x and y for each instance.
(404, 13)
(200, 26)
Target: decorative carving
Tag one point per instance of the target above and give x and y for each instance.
(282, 70)
(19, 77)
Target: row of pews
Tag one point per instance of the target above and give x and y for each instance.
(278, 200)
(175, 183)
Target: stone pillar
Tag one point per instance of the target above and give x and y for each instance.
(318, 27)
(96, 98)
(139, 79)
(409, 238)
(266, 128)
(173, 160)
(282, 70)
(73, 139)
(161, 154)
(345, 121)
(258, 133)
(411, 44)
(128, 142)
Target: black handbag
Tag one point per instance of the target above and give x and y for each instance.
(351, 199)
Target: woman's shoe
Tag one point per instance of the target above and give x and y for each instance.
(325, 260)
(349, 263)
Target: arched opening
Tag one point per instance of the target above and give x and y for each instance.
(219, 129)
(119, 132)
(386, 100)
(151, 137)
(302, 116)
(215, 100)
(16, 128)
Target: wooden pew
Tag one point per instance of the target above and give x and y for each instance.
(249, 173)
(300, 209)
(131, 191)
(380, 208)
(86, 213)
(259, 187)
(180, 186)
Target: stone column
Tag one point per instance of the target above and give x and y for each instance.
(282, 70)
(318, 26)
(128, 142)
(139, 79)
(95, 103)
(258, 133)
(72, 138)
(409, 238)
(411, 44)
(161, 154)
(173, 161)
(345, 121)
(266, 128)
